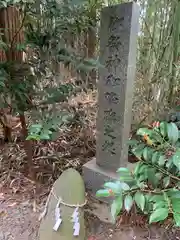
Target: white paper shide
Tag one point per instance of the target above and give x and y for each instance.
(57, 217)
(75, 220)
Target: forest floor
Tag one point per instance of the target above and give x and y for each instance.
(19, 221)
(21, 201)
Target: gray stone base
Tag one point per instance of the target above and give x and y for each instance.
(95, 177)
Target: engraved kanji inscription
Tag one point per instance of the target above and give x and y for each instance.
(108, 146)
(113, 61)
(111, 97)
(109, 131)
(111, 116)
(113, 81)
(114, 42)
(116, 23)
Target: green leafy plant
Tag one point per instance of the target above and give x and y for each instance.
(49, 30)
(154, 185)
(48, 128)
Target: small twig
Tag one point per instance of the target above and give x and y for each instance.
(139, 124)
(161, 170)
(147, 191)
(156, 55)
(42, 215)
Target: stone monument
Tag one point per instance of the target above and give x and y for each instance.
(118, 40)
(63, 216)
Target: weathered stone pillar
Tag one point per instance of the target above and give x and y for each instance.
(118, 39)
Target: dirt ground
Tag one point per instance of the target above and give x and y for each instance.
(19, 221)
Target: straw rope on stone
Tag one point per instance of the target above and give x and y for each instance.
(67, 204)
(43, 214)
(63, 216)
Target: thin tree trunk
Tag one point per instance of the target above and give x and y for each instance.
(91, 46)
(11, 29)
(11, 20)
(28, 146)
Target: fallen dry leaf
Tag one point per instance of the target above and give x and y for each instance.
(12, 204)
(3, 213)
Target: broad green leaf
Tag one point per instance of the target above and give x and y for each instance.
(44, 136)
(140, 200)
(138, 167)
(156, 136)
(132, 142)
(103, 193)
(123, 170)
(147, 153)
(125, 175)
(125, 186)
(159, 204)
(116, 207)
(161, 161)
(33, 137)
(159, 176)
(126, 178)
(173, 133)
(176, 210)
(142, 168)
(116, 187)
(111, 185)
(175, 204)
(174, 194)
(166, 181)
(128, 202)
(155, 157)
(169, 163)
(138, 151)
(35, 128)
(151, 172)
(177, 145)
(177, 218)
(144, 131)
(143, 177)
(163, 129)
(176, 159)
(156, 198)
(158, 215)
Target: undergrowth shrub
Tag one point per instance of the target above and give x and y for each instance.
(34, 85)
(153, 187)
